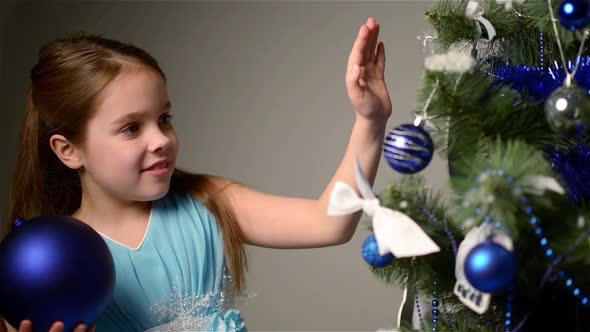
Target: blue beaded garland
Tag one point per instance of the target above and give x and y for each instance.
(419, 312)
(490, 267)
(549, 252)
(569, 284)
(435, 311)
(408, 149)
(508, 315)
(544, 244)
(371, 254)
(574, 14)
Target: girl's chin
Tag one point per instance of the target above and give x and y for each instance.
(155, 193)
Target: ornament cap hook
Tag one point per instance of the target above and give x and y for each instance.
(569, 80)
(419, 121)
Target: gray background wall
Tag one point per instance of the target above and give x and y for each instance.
(259, 96)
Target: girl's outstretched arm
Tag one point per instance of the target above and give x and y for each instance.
(285, 222)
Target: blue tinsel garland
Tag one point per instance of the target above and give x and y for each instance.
(539, 83)
(573, 165)
(574, 168)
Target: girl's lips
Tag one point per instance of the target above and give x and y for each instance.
(158, 171)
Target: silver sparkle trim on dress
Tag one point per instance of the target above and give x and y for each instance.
(192, 312)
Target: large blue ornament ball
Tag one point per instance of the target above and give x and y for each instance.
(490, 267)
(574, 14)
(371, 254)
(408, 148)
(54, 268)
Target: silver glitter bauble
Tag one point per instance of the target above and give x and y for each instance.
(568, 111)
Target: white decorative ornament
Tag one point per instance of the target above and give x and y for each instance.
(394, 231)
(452, 61)
(508, 3)
(581, 222)
(538, 184)
(474, 299)
(475, 12)
(467, 294)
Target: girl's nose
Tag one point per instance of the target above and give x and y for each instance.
(159, 140)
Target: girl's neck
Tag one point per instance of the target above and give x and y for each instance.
(111, 213)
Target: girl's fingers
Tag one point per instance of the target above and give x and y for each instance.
(57, 327)
(357, 54)
(354, 85)
(361, 82)
(25, 326)
(380, 61)
(373, 38)
(81, 328)
(353, 76)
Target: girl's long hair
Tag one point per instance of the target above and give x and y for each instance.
(65, 83)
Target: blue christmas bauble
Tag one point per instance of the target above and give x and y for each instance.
(408, 148)
(54, 268)
(490, 267)
(371, 254)
(574, 14)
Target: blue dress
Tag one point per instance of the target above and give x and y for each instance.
(180, 260)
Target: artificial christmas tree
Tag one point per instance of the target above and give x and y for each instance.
(507, 95)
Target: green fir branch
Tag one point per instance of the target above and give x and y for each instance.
(479, 110)
(496, 197)
(518, 31)
(409, 196)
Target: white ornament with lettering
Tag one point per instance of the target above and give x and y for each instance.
(474, 299)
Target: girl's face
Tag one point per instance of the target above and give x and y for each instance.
(130, 132)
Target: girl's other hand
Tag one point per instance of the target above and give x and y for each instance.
(27, 326)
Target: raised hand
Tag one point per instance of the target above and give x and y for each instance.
(365, 80)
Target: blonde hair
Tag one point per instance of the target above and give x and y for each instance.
(65, 82)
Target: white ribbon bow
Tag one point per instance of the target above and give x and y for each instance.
(395, 232)
(474, 11)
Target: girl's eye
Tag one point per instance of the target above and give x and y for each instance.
(165, 118)
(131, 129)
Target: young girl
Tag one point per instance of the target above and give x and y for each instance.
(98, 144)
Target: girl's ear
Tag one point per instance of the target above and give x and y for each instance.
(65, 151)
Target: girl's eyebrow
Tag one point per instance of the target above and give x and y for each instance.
(137, 115)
